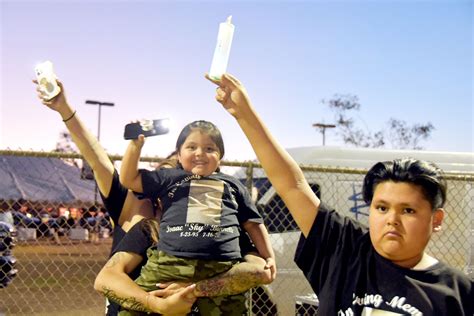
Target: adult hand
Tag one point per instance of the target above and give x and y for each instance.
(232, 95)
(179, 303)
(169, 288)
(57, 103)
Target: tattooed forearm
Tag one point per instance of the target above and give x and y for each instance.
(230, 283)
(125, 302)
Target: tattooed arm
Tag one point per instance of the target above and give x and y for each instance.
(114, 283)
(240, 278)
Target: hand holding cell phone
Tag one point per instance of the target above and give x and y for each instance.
(47, 80)
(147, 128)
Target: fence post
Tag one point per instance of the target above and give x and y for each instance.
(249, 185)
(249, 180)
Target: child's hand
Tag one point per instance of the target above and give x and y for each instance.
(57, 103)
(271, 264)
(139, 142)
(232, 95)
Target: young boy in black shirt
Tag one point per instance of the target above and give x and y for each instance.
(381, 270)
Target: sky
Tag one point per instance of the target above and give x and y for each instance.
(410, 60)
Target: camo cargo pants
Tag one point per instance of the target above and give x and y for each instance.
(162, 267)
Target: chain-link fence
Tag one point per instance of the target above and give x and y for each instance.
(63, 234)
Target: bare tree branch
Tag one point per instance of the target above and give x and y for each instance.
(400, 135)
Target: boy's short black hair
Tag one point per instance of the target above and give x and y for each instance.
(422, 173)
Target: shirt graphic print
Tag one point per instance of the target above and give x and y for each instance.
(205, 202)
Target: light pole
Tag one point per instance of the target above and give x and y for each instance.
(323, 128)
(100, 104)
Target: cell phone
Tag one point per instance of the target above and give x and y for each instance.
(47, 79)
(147, 128)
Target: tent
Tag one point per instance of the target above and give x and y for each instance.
(44, 180)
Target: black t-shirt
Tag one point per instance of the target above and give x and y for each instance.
(137, 240)
(114, 205)
(201, 215)
(351, 278)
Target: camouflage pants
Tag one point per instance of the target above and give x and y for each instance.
(162, 267)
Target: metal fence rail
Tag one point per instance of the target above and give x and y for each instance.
(61, 246)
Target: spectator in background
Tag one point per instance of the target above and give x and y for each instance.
(6, 213)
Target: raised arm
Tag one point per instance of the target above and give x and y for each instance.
(282, 171)
(114, 283)
(129, 174)
(87, 143)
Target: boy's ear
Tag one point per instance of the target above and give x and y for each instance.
(438, 217)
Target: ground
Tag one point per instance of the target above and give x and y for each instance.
(55, 279)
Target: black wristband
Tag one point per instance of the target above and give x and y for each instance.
(72, 115)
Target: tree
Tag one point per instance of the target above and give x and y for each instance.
(65, 144)
(400, 134)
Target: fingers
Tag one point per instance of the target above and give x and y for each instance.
(188, 293)
(230, 80)
(271, 264)
(163, 285)
(138, 142)
(40, 91)
(60, 84)
(274, 272)
(214, 81)
(268, 263)
(158, 293)
(227, 80)
(41, 96)
(221, 95)
(189, 288)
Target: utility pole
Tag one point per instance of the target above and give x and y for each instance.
(100, 104)
(322, 127)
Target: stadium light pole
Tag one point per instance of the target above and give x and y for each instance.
(100, 105)
(322, 127)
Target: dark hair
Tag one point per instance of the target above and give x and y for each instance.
(422, 173)
(151, 226)
(171, 161)
(205, 127)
